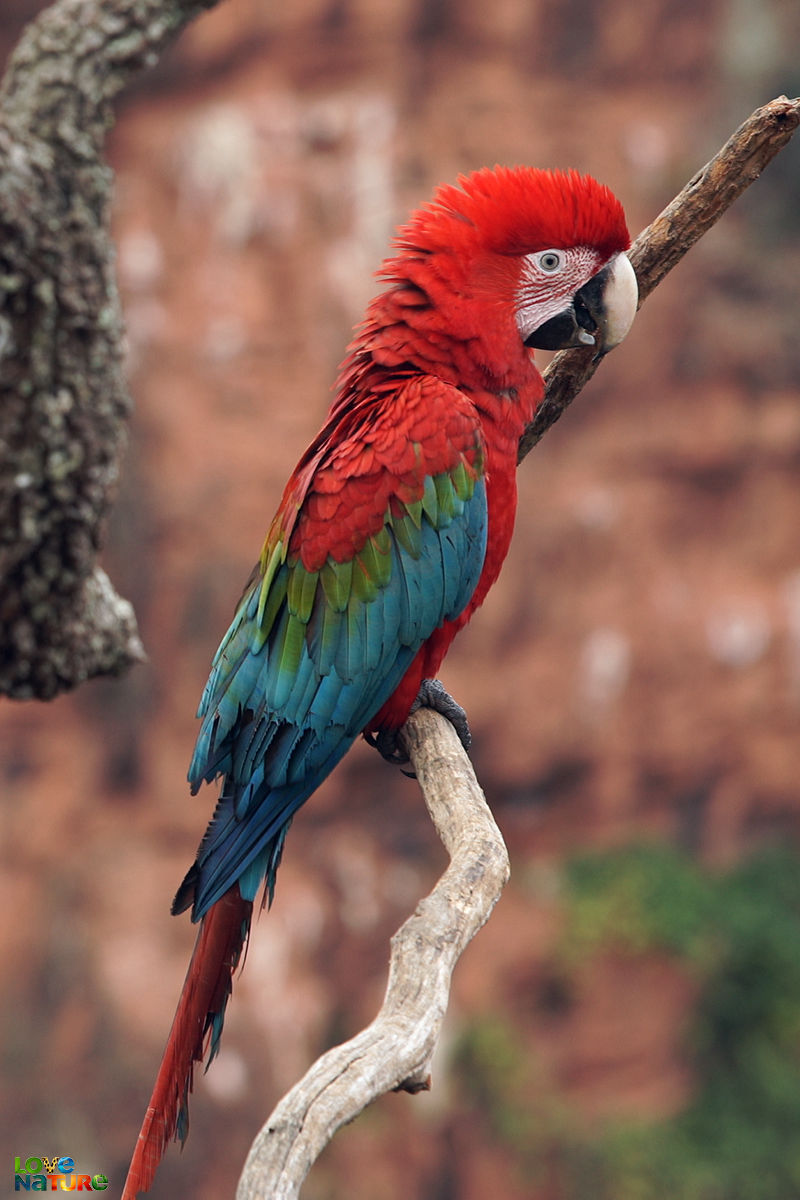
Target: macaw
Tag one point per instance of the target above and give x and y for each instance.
(392, 528)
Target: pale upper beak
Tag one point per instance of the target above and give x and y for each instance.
(600, 314)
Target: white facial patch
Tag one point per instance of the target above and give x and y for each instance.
(544, 294)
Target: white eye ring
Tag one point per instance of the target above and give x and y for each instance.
(549, 261)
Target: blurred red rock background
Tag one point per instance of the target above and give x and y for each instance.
(627, 1025)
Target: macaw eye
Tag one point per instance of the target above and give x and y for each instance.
(549, 261)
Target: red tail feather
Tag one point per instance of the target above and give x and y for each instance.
(205, 992)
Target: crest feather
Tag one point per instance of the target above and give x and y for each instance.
(518, 210)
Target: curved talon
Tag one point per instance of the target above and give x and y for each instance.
(388, 744)
(433, 694)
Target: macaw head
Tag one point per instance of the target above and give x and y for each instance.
(540, 253)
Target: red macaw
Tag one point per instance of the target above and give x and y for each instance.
(391, 530)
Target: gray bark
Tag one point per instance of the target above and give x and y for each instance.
(394, 1052)
(63, 399)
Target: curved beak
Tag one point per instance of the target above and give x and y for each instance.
(600, 315)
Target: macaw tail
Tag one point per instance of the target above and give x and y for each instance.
(196, 1028)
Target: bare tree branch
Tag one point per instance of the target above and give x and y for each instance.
(662, 245)
(394, 1052)
(63, 400)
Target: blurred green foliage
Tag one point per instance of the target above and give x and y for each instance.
(518, 1107)
(641, 898)
(740, 1137)
(739, 934)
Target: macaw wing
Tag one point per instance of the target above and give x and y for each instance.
(326, 632)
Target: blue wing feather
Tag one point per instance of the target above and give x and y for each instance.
(276, 735)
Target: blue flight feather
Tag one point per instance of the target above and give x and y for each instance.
(274, 733)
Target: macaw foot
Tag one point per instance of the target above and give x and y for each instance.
(431, 694)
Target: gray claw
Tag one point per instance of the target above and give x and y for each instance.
(432, 694)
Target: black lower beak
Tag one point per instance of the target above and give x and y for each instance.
(572, 327)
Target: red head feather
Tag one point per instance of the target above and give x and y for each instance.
(518, 210)
(455, 276)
